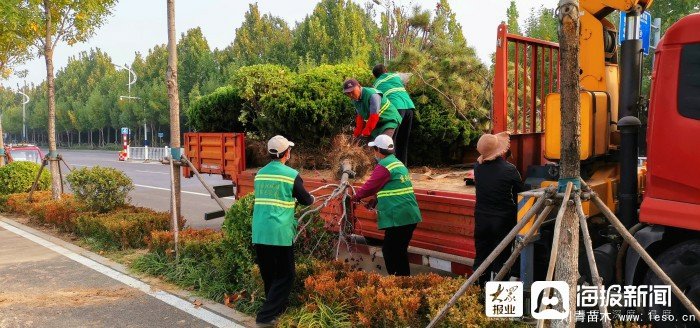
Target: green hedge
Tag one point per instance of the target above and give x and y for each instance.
(308, 107)
(19, 176)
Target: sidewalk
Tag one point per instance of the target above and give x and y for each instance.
(45, 282)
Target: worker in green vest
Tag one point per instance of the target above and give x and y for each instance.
(375, 113)
(274, 226)
(397, 208)
(392, 87)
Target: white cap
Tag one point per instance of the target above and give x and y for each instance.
(278, 144)
(382, 141)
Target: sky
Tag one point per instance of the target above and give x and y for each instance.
(138, 25)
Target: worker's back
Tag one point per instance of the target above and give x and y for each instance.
(497, 184)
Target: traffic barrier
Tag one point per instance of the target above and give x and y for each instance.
(147, 153)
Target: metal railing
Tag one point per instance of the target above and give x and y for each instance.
(147, 153)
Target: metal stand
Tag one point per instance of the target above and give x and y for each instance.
(44, 163)
(548, 198)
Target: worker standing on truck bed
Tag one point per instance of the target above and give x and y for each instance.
(391, 86)
(274, 226)
(397, 209)
(375, 113)
(497, 186)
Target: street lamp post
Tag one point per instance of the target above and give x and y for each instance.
(132, 80)
(24, 115)
(387, 57)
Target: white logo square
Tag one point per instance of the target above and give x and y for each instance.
(552, 306)
(504, 299)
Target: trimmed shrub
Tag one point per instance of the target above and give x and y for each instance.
(101, 189)
(121, 229)
(56, 213)
(218, 111)
(387, 301)
(18, 203)
(314, 110)
(19, 176)
(204, 264)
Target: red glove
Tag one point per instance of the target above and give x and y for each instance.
(371, 124)
(359, 125)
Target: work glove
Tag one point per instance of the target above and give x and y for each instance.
(371, 124)
(371, 204)
(359, 125)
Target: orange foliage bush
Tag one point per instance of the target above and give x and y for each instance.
(374, 300)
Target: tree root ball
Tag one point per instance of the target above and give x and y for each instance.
(360, 157)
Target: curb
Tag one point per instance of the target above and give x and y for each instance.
(212, 306)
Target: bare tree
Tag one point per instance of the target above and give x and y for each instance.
(567, 257)
(174, 98)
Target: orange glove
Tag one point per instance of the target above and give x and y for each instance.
(371, 124)
(359, 125)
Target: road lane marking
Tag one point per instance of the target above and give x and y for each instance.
(183, 191)
(170, 299)
(152, 172)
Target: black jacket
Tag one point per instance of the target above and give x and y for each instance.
(497, 186)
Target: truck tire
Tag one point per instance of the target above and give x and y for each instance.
(682, 264)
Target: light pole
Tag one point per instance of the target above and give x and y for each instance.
(132, 80)
(24, 115)
(387, 57)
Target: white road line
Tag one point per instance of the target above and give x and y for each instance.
(183, 191)
(166, 297)
(81, 165)
(154, 172)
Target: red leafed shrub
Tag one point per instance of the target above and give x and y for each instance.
(193, 242)
(127, 227)
(373, 300)
(18, 203)
(57, 213)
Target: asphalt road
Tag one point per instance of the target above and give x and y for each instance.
(152, 185)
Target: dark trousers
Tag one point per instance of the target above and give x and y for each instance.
(402, 135)
(489, 231)
(276, 265)
(395, 249)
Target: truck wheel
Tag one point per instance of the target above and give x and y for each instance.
(682, 264)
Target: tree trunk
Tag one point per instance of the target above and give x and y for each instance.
(567, 258)
(2, 145)
(174, 99)
(48, 56)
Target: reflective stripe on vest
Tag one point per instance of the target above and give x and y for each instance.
(392, 90)
(274, 202)
(394, 165)
(395, 192)
(386, 78)
(384, 107)
(274, 177)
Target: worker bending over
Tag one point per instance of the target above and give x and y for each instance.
(274, 226)
(391, 86)
(497, 186)
(375, 113)
(397, 209)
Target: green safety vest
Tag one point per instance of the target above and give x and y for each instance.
(396, 202)
(273, 212)
(389, 117)
(391, 86)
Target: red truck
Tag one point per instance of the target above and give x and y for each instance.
(27, 153)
